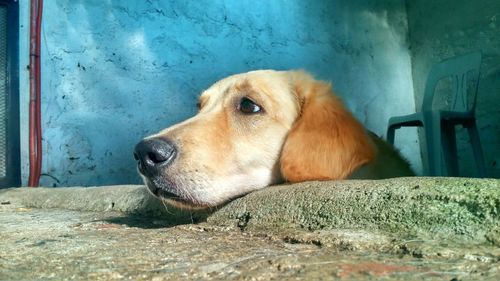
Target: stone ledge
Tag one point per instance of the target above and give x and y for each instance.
(427, 207)
(462, 208)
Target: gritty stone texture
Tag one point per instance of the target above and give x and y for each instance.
(408, 228)
(443, 29)
(117, 71)
(130, 199)
(432, 207)
(69, 245)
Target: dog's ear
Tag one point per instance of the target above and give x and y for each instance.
(326, 141)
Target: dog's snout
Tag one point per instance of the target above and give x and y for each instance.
(154, 154)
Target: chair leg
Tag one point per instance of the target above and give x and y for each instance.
(477, 149)
(449, 143)
(391, 131)
(432, 127)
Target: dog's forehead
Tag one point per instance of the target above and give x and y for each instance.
(270, 80)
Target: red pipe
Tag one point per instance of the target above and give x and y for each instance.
(35, 125)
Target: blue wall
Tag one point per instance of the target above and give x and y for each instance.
(116, 71)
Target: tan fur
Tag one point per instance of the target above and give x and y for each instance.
(303, 133)
(326, 142)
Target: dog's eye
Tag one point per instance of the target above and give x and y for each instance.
(247, 106)
(198, 105)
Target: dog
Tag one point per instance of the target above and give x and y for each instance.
(257, 129)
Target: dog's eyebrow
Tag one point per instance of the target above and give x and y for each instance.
(243, 87)
(226, 91)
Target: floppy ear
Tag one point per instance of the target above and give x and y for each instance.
(326, 141)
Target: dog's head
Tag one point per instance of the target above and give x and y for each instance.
(253, 130)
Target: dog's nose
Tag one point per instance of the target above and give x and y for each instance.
(154, 154)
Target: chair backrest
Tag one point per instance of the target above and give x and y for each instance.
(458, 69)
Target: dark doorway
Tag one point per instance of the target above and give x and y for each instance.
(9, 94)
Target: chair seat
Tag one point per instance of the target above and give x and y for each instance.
(415, 119)
(439, 131)
(457, 117)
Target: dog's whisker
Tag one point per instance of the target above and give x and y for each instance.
(166, 207)
(191, 215)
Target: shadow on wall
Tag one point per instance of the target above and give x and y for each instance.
(116, 71)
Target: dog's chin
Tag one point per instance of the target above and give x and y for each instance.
(173, 199)
(184, 204)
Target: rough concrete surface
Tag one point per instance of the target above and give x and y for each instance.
(408, 228)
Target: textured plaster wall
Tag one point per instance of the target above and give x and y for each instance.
(116, 71)
(445, 28)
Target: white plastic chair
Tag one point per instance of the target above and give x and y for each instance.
(439, 125)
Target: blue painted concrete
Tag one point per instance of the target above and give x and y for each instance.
(116, 71)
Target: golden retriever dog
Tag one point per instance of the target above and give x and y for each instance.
(258, 129)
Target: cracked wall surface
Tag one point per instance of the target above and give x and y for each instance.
(116, 71)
